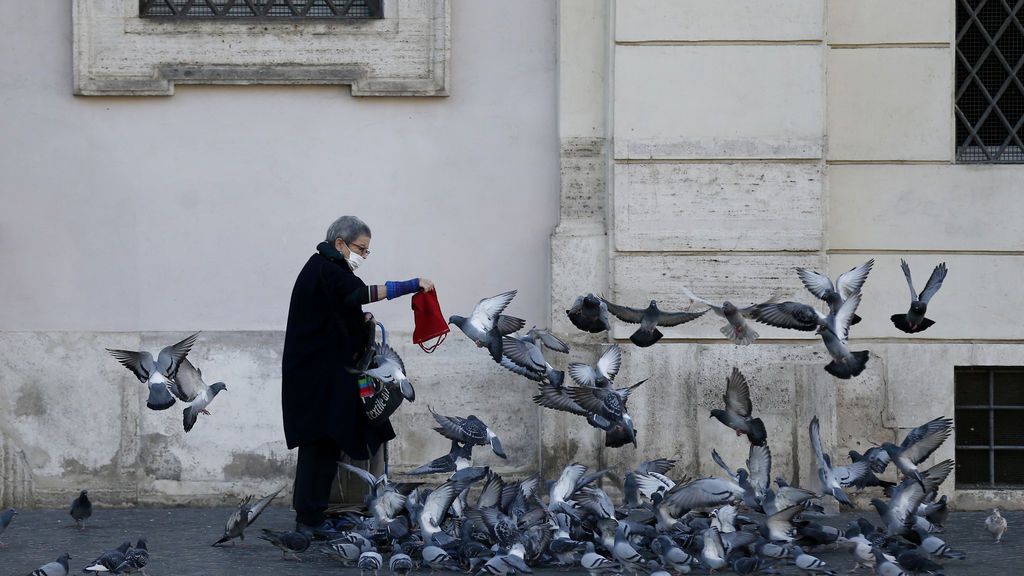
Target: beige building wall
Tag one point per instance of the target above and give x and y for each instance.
(746, 138)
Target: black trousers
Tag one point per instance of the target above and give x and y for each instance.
(314, 476)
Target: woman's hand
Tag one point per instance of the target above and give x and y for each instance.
(426, 285)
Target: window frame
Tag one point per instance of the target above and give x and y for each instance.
(991, 447)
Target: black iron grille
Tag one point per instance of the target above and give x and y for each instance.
(230, 9)
(989, 91)
(989, 422)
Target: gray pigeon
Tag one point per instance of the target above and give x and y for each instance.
(135, 559)
(845, 364)
(847, 284)
(790, 315)
(289, 543)
(58, 567)
(600, 375)
(810, 564)
(470, 430)
(919, 444)
(525, 351)
(487, 325)
(245, 516)
(81, 508)
(109, 561)
(597, 565)
(400, 564)
(712, 554)
(157, 375)
(649, 319)
(830, 480)
(589, 313)
(5, 520)
(914, 321)
(435, 510)
(898, 513)
(607, 403)
(738, 410)
(188, 386)
(736, 328)
(369, 561)
(383, 500)
(389, 369)
(886, 567)
(996, 525)
(460, 457)
(623, 551)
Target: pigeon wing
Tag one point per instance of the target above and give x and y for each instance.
(564, 488)
(791, 315)
(551, 341)
(171, 356)
(737, 394)
(364, 475)
(934, 283)
(511, 366)
(625, 392)
(660, 465)
(188, 382)
(919, 451)
(701, 493)
(669, 319)
(582, 374)
(851, 281)
(819, 454)
(910, 281)
(521, 353)
(759, 465)
(590, 399)
(509, 324)
(555, 398)
(488, 309)
(256, 509)
(923, 430)
(625, 313)
(140, 363)
(844, 316)
(695, 298)
(609, 363)
(815, 282)
(455, 428)
(389, 354)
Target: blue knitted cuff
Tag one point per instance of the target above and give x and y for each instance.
(396, 289)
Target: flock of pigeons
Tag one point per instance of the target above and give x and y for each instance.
(738, 520)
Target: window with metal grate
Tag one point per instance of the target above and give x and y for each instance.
(989, 420)
(233, 9)
(989, 98)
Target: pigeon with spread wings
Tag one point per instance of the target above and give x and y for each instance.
(914, 320)
(847, 284)
(649, 319)
(589, 313)
(188, 386)
(607, 403)
(738, 410)
(736, 328)
(486, 325)
(157, 374)
(469, 430)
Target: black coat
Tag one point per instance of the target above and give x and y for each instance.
(327, 333)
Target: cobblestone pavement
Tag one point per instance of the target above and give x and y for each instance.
(179, 542)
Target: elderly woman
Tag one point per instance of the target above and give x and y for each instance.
(327, 334)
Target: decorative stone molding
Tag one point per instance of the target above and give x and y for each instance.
(116, 53)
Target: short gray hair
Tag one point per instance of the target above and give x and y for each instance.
(348, 228)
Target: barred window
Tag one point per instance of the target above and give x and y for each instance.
(989, 99)
(989, 421)
(232, 9)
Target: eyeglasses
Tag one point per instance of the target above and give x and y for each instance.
(362, 250)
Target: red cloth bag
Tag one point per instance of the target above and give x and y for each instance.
(430, 322)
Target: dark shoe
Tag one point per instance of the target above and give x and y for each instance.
(325, 531)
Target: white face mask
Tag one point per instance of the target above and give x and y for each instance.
(354, 260)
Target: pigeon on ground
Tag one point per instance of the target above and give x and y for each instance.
(649, 319)
(109, 561)
(914, 321)
(383, 500)
(135, 559)
(810, 564)
(289, 543)
(596, 564)
(589, 313)
(886, 567)
(738, 409)
(932, 510)
(877, 458)
(460, 457)
(343, 551)
(157, 375)
(845, 364)
(245, 516)
(919, 444)
(369, 561)
(5, 520)
(898, 513)
(188, 386)
(936, 547)
(608, 404)
(847, 284)
(59, 567)
(400, 564)
(470, 430)
(437, 559)
(996, 525)
(713, 554)
(81, 508)
(736, 328)
(389, 370)
(600, 375)
(487, 325)
(435, 510)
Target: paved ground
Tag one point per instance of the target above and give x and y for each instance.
(179, 543)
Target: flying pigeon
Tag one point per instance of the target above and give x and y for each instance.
(919, 444)
(558, 398)
(898, 513)
(847, 284)
(914, 321)
(486, 325)
(830, 483)
(845, 364)
(435, 510)
(81, 508)
(525, 352)
(790, 315)
(589, 313)
(608, 404)
(109, 561)
(245, 516)
(58, 567)
(5, 520)
(459, 458)
(135, 559)
(649, 319)
(289, 543)
(736, 327)
(383, 500)
(188, 386)
(158, 375)
(390, 370)
(738, 409)
(600, 375)
(470, 430)
(996, 525)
